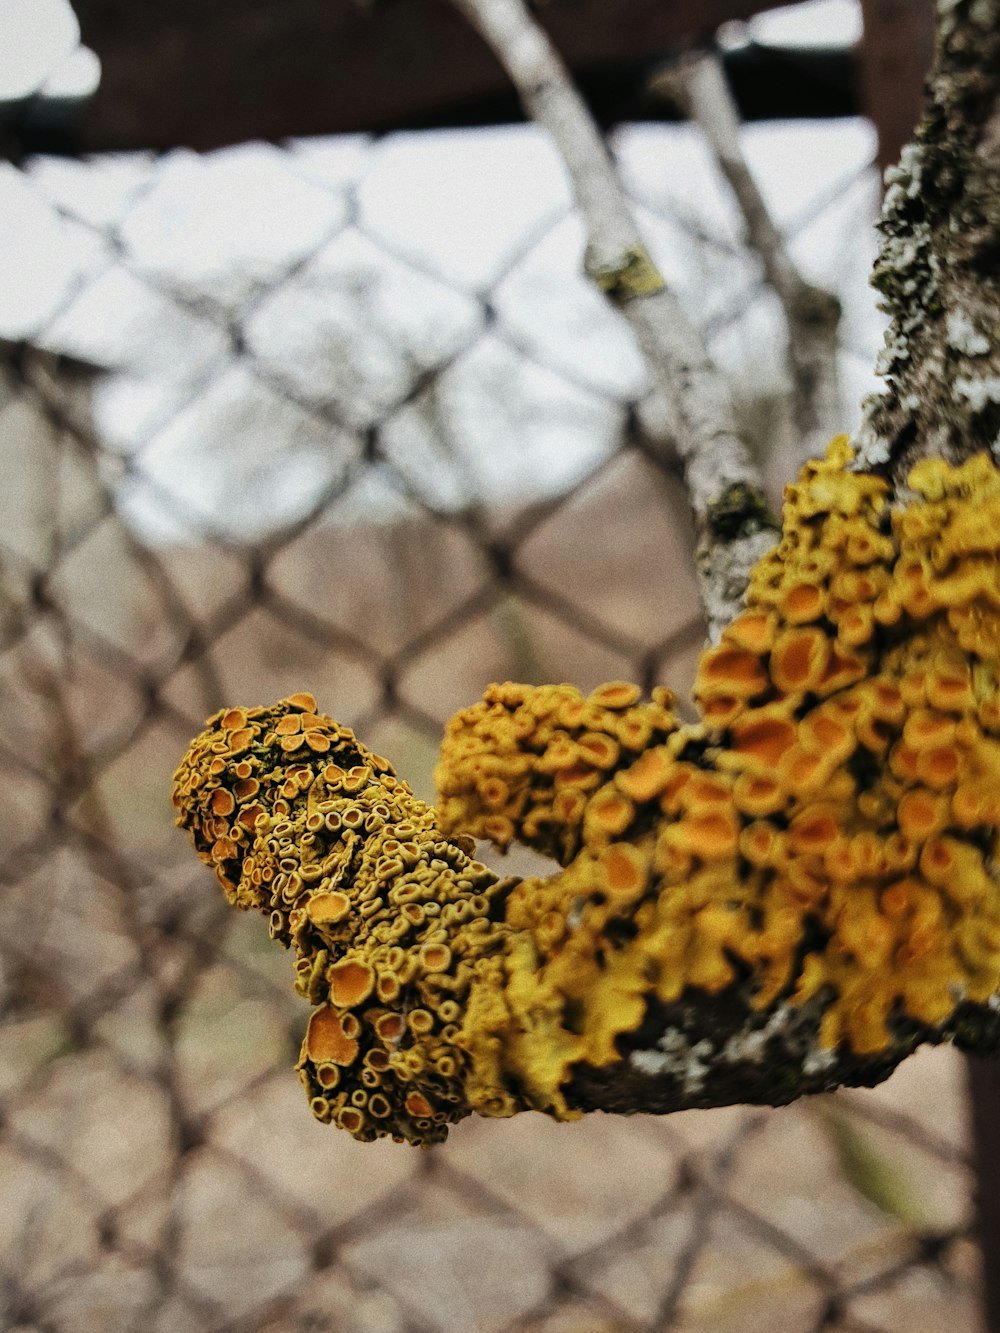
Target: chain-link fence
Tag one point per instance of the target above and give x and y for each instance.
(344, 417)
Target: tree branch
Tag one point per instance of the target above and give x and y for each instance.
(732, 525)
(939, 267)
(789, 895)
(697, 84)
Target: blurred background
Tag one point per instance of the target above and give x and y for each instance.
(302, 387)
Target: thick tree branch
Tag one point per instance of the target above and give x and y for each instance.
(725, 490)
(697, 84)
(789, 895)
(939, 267)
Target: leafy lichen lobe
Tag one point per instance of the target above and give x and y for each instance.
(823, 841)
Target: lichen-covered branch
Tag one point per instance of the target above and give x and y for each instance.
(732, 524)
(939, 267)
(789, 895)
(697, 84)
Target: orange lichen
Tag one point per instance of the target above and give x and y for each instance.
(734, 672)
(533, 756)
(380, 908)
(327, 908)
(801, 603)
(350, 982)
(625, 871)
(827, 834)
(799, 659)
(762, 735)
(327, 1040)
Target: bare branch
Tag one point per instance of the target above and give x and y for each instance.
(697, 84)
(731, 520)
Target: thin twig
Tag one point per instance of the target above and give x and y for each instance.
(732, 525)
(697, 84)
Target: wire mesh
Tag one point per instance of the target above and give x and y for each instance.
(424, 494)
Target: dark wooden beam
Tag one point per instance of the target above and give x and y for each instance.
(206, 74)
(186, 72)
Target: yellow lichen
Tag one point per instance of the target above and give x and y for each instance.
(828, 831)
(381, 909)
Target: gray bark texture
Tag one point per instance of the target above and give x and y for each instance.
(939, 267)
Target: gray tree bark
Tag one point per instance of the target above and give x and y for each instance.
(939, 267)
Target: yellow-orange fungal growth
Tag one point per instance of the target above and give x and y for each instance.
(798, 660)
(827, 833)
(355, 875)
(801, 603)
(763, 735)
(648, 776)
(732, 672)
(608, 815)
(549, 749)
(625, 872)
